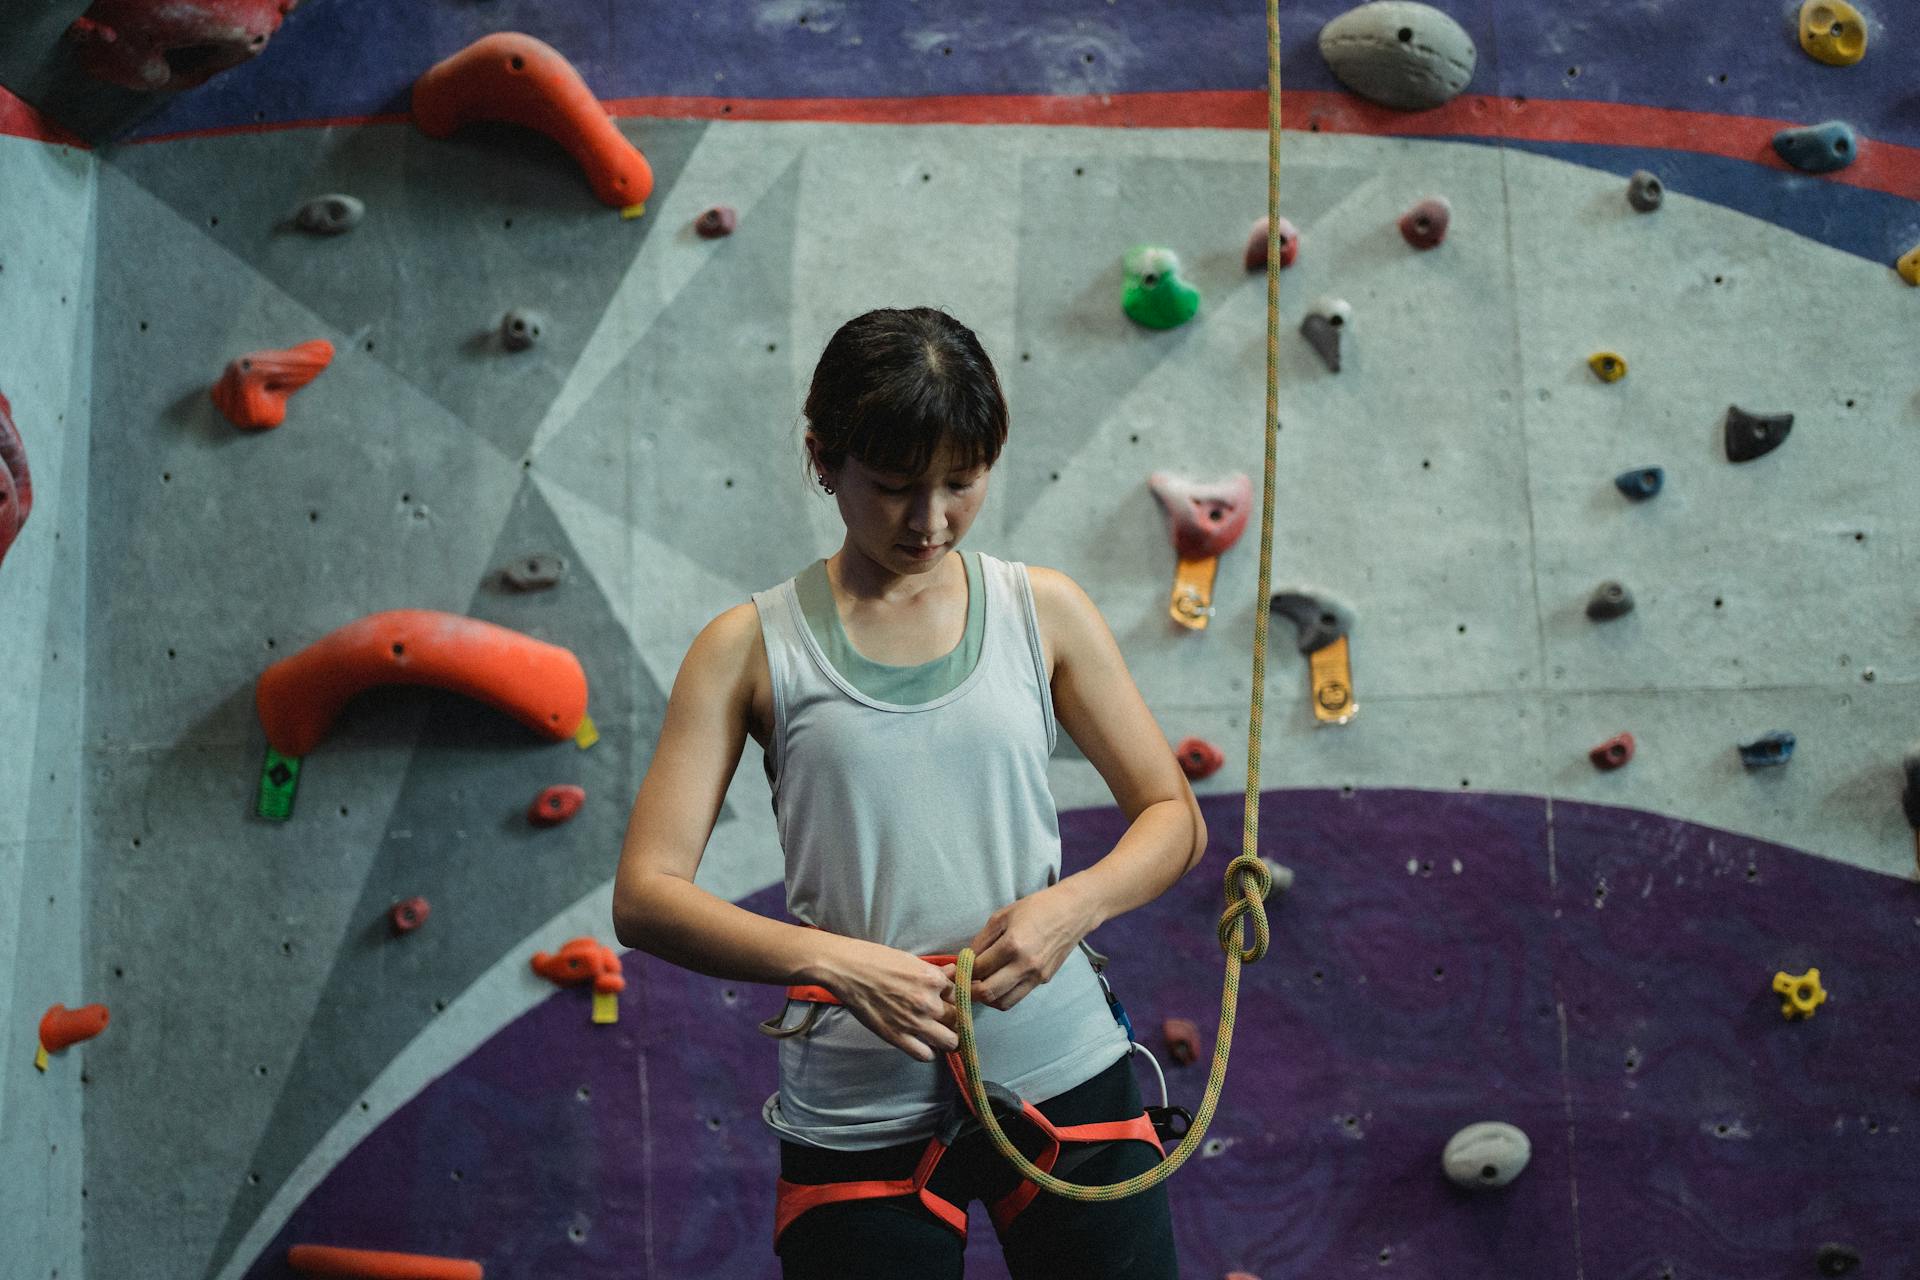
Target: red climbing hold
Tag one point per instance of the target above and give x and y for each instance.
(556, 804)
(1183, 1040)
(16, 482)
(409, 914)
(1612, 753)
(1256, 255)
(253, 391)
(1204, 519)
(1425, 225)
(61, 1026)
(144, 45)
(379, 1264)
(582, 960)
(1199, 758)
(517, 79)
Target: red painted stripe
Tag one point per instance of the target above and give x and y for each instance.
(1883, 166)
(18, 119)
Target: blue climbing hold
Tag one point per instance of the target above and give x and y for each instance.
(1769, 749)
(1641, 483)
(1818, 148)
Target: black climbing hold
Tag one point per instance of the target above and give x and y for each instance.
(1640, 483)
(535, 572)
(329, 215)
(1837, 1259)
(520, 329)
(1768, 749)
(1644, 191)
(1910, 798)
(1323, 334)
(1609, 600)
(1320, 619)
(1753, 435)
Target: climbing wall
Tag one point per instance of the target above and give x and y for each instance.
(1485, 925)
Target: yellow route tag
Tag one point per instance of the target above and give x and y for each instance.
(606, 1007)
(586, 735)
(1332, 678)
(1192, 602)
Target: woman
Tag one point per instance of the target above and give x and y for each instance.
(907, 695)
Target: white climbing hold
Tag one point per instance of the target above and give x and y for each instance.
(1489, 1154)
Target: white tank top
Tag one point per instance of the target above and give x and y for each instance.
(909, 826)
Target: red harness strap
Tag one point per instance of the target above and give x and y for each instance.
(795, 1198)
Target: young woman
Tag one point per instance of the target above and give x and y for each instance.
(906, 695)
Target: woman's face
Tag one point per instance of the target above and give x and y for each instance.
(908, 523)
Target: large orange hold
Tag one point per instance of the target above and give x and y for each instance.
(541, 685)
(61, 1027)
(517, 79)
(254, 389)
(379, 1264)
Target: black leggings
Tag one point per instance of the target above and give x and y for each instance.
(1056, 1239)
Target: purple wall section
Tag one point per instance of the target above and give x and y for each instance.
(1598, 976)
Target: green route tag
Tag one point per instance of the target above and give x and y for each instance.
(279, 778)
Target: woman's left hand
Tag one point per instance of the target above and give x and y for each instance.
(1024, 943)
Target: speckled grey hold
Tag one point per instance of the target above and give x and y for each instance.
(1324, 337)
(535, 572)
(329, 215)
(1610, 600)
(1399, 54)
(1754, 435)
(1321, 619)
(1489, 1154)
(1644, 191)
(521, 329)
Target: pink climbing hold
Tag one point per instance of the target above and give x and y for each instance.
(145, 45)
(1612, 753)
(1425, 225)
(408, 914)
(1199, 758)
(1256, 255)
(1204, 519)
(556, 804)
(716, 222)
(1183, 1039)
(254, 389)
(16, 482)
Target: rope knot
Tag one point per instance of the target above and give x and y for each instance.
(1248, 882)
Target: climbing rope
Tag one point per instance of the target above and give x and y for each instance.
(1247, 877)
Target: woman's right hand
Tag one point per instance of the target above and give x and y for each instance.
(899, 997)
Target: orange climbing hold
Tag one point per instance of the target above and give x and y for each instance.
(582, 960)
(379, 1264)
(61, 1026)
(517, 79)
(253, 391)
(541, 685)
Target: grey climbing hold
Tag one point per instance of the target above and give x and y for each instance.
(1837, 1259)
(1489, 1154)
(1773, 748)
(1279, 876)
(1609, 600)
(1641, 483)
(521, 329)
(1753, 435)
(1320, 618)
(1325, 320)
(329, 215)
(1644, 191)
(1818, 148)
(1399, 54)
(535, 572)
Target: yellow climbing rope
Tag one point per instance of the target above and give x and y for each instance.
(1247, 877)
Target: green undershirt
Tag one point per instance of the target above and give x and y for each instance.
(883, 682)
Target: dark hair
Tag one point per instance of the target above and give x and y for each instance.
(893, 384)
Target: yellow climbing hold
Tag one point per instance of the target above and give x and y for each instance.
(1803, 993)
(1608, 366)
(1909, 266)
(1833, 32)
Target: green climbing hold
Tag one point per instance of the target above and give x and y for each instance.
(1154, 294)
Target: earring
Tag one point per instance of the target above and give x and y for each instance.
(825, 485)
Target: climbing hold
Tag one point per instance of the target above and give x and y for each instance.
(716, 222)
(254, 389)
(556, 804)
(1153, 294)
(379, 1264)
(1833, 32)
(541, 685)
(329, 215)
(512, 77)
(1608, 366)
(1322, 624)
(141, 45)
(1836, 1259)
(1399, 54)
(1768, 749)
(409, 914)
(16, 481)
(1909, 265)
(1319, 618)
(1240, 1275)
(1425, 225)
(1322, 326)
(581, 960)
(1753, 435)
(1609, 600)
(520, 330)
(535, 572)
(61, 1027)
(1910, 795)
(1644, 191)
(1818, 148)
(1803, 993)
(1199, 758)
(1641, 483)
(1488, 1154)
(1183, 1040)
(1612, 753)
(1256, 255)
(1279, 876)
(1204, 520)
